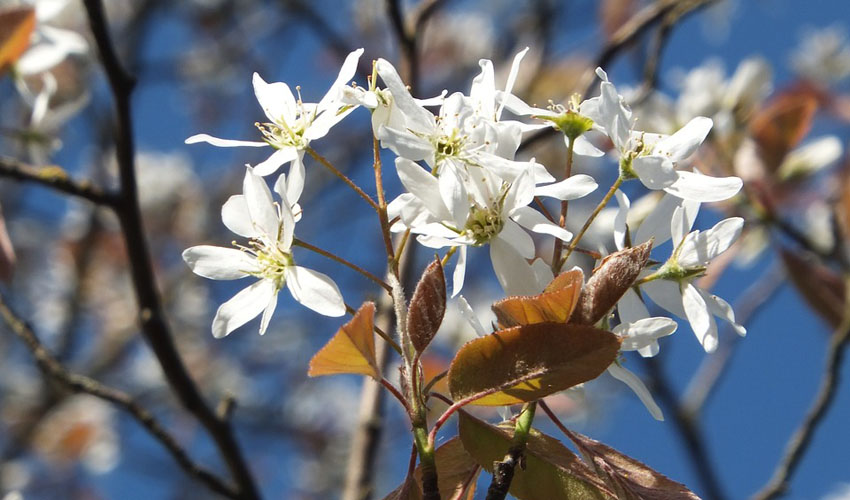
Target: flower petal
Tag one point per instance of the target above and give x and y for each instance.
(667, 295)
(704, 188)
(655, 172)
(406, 144)
(261, 207)
(698, 316)
(572, 188)
(234, 214)
(219, 263)
(701, 248)
(424, 186)
(685, 141)
(516, 237)
(513, 271)
(331, 99)
(657, 223)
(268, 312)
(459, 273)
(643, 332)
(638, 387)
(224, 143)
(243, 307)
(419, 119)
(315, 291)
(722, 309)
(275, 161)
(582, 146)
(620, 226)
(533, 220)
(276, 99)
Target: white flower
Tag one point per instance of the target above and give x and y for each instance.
(268, 256)
(292, 123)
(652, 158)
(457, 210)
(672, 285)
(465, 134)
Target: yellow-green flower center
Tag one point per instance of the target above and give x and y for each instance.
(483, 224)
(272, 261)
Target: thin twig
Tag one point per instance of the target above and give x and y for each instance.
(340, 260)
(53, 369)
(56, 178)
(327, 164)
(802, 437)
(151, 317)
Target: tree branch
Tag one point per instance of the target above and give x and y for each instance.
(54, 370)
(802, 438)
(56, 178)
(151, 317)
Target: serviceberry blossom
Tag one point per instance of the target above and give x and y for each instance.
(270, 227)
(292, 123)
(475, 210)
(672, 286)
(652, 158)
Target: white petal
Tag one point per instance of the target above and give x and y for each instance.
(533, 220)
(685, 141)
(466, 312)
(243, 307)
(424, 186)
(722, 309)
(515, 237)
(644, 332)
(224, 143)
(509, 85)
(620, 226)
(574, 187)
(657, 223)
(638, 387)
(268, 312)
(274, 162)
(513, 271)
(483, 90)
(419, 119)
(260, 205)
(453, 193)
(276, 99)
(459, 273)
(702, 247)
(346, 73)
(677, 226)
(315, 291)
(655, 172)
(520, 193)
(701, 321)
(219, 263)
(296, 179)
(584, 147)
(234, 214)
(704, 188)
(405, 144)
(667, 295)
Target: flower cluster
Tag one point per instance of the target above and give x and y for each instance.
(466, 187)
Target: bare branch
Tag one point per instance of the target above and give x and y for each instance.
(56, 178)
(151, 317)
(54, 370)
(802, 437)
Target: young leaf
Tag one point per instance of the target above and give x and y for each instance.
(427, 306)
(351, 350)
(554, 305)
(16, 26)
(408, 490)
(456, 471)
(551, 470)
(456, 475)
(631, 478)
(609, 282)
(529, 362)
(820, 286)
(781, 124)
